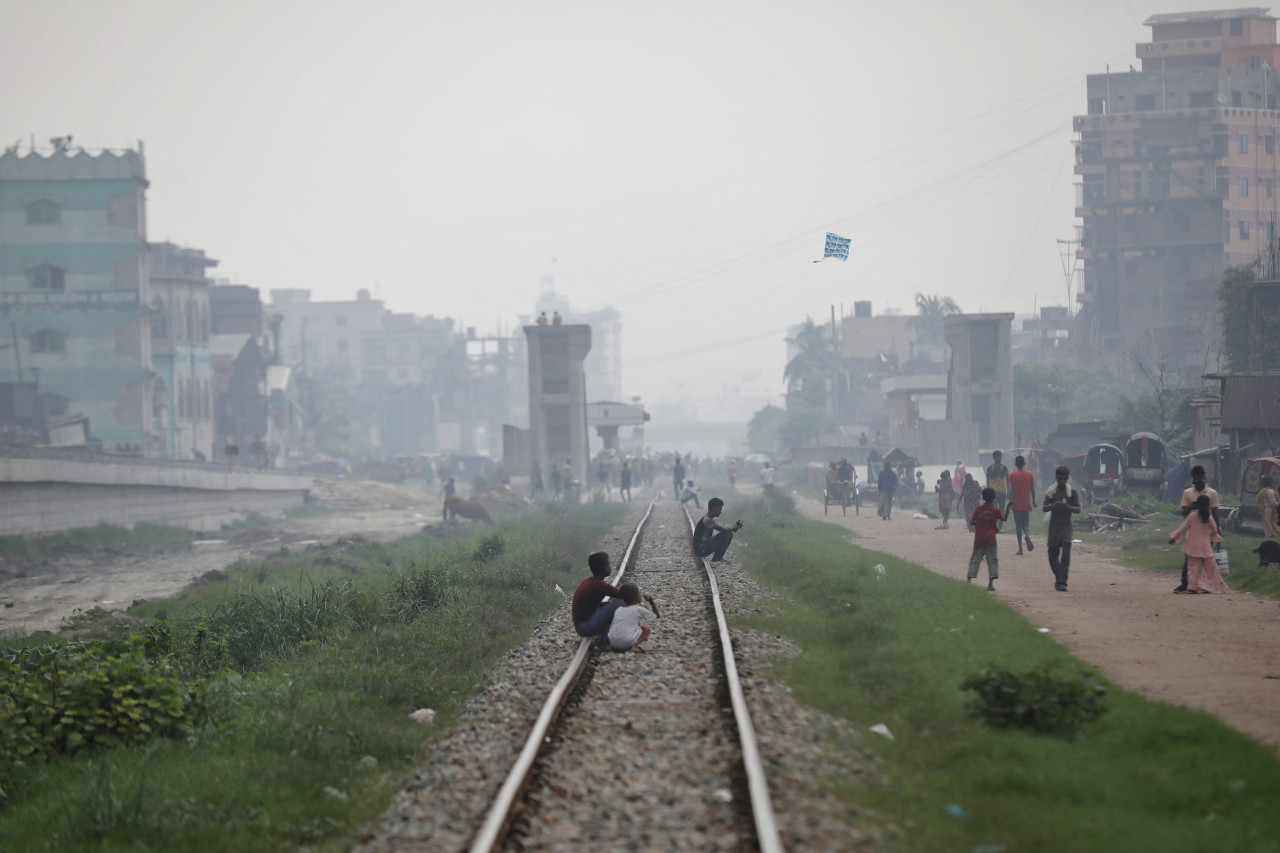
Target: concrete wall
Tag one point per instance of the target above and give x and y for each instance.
(40, 495)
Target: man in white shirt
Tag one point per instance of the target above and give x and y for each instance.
(1198, 487)
(766, 479)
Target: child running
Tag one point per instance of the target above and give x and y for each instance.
(1199, 529)
(945, 497)
(985, 523)
(590, 619)
(628, 630)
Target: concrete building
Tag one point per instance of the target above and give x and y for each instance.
(1178, 179)
(980, 382)
(558, 396)
(180, 330)
(326, 339)
(74, 288)
(604, 362)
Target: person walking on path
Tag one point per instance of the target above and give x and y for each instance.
(766, 480)
(677, 476)
(624, 482)
(535, 480)
(731, 471)
(555, 480)
(1199, 487)
(946, 498)
(998, 479)
(1268, 504)
(1061, 502)
(985, 523)
(970, 497)
(958, 481)
(448, 491)
(887, 482)
(1022, 497)
(1199, 528)
(712, 537)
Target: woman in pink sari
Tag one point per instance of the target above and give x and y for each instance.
(1200, 530)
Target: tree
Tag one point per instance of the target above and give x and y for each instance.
(808, 371)
(802, 426)
(1250, 329)
(932, 312)
(1049, 395)
(762, 429)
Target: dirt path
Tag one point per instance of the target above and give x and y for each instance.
(44, 597)
(1216, 653)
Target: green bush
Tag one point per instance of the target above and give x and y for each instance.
(1041, 701)
(83, 696)
(489, 548)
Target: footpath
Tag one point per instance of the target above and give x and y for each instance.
(1215, 653)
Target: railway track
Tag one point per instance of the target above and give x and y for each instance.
(650, 750)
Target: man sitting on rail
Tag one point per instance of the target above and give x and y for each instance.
(590, 618)
(712, 537)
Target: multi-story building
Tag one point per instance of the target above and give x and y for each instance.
(74, 288)
(326, 339)
(180, 328)
(1178, 179)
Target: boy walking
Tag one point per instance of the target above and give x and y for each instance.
(1061, 502)
(985, 521)
(1022, 497)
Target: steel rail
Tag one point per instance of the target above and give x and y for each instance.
(757, 785)
(498, 818)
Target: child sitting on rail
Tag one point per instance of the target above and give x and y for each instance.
(628, 630)
(590, 618)
(689, 493)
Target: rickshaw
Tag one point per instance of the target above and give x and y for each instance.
(1144, 463)
(1263, 466)
(841, 491)
(1103, 472)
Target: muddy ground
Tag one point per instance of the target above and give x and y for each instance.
(44, 595)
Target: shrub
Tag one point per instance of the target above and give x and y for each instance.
(1041, 701)
(489, 548)
(84, 695)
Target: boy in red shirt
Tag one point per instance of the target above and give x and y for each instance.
(1022, 498)
(590, 619)
(986, 524)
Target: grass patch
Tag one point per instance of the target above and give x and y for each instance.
(305, 689)
(894, 650)
(100, 537)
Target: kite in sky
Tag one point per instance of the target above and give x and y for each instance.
(837, 247)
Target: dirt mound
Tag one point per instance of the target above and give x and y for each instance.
(369, 494)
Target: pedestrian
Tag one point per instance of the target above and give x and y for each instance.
(555, 481)
(887, 482)
(1199, 529)
(970, 497)
(712, 537)
(1268, 503)
(998, 479)
(1022, 497)
(985, 524)
(535, 480)
(689, 493)
(591, 616)
(542, 319)
(945, 499)
(1198, 487)
(566, 479)
(624, 482)
(766, 480)
(602, 477)
(230, 450)
(957, 480)
(677, 476)
(1061, 502)
(628, 630)
(731, 470)
(556, 319)
(448, 491)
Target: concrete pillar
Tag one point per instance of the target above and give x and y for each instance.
(558, 395)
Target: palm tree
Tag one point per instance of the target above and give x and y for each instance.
(932, 312)
(807, 371)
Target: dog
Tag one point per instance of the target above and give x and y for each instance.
(1268, 552)
(460, 506)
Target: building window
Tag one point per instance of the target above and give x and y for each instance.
(1144, 103)
(1270, 187)
(1222, 187)
(46, 277)
(1201, 99)
(341, 320)
(1236, 100)
(44, 212)
(48, 340)
(1271, 144)
(159, 320)
(1237, 27)
(1242, 143)
(1244, 229)
(1243, 187)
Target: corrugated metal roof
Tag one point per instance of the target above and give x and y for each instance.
(1250, 400)
(1218, 15)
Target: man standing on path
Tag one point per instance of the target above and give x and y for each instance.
(998, 479)
(1061, 502)
(1198, 487)
(886, 484)
(1022, 497)
(766, 480)
(677, 476)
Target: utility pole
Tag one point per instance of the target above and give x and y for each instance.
(1070, 268)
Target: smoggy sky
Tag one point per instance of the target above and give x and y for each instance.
(679, 160)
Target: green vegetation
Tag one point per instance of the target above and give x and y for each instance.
(268, 709)
(101, 537)
(895, 649)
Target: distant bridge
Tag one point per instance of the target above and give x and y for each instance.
(43, 491)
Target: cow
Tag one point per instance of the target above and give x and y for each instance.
(457, 505)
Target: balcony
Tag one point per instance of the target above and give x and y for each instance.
(1179, 48)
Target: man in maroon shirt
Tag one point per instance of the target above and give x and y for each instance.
(986, 524)
(590, 619)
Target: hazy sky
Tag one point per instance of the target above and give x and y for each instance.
(680, 161)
